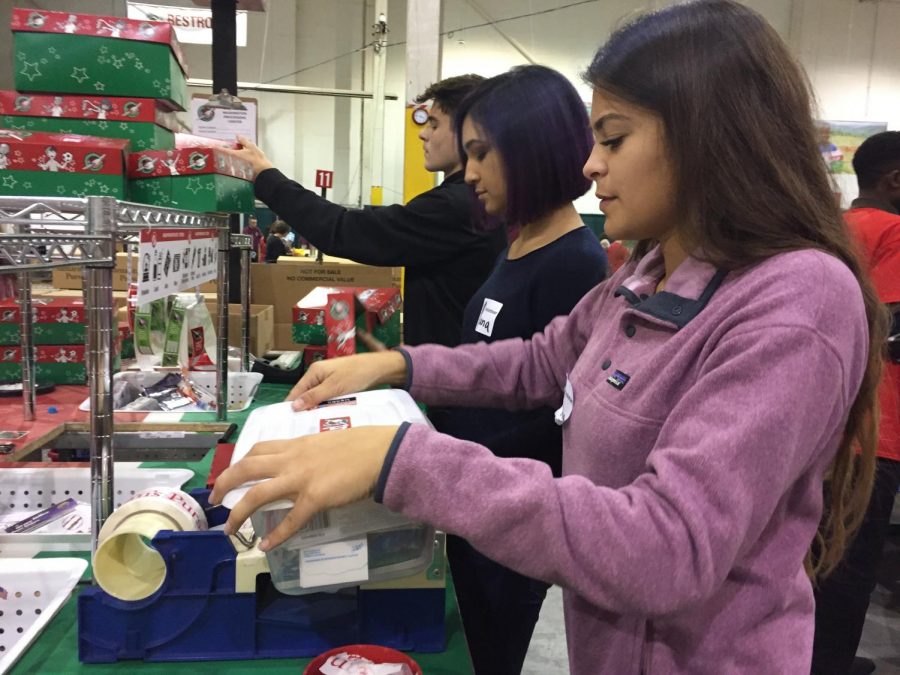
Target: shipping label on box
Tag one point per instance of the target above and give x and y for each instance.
(63, 52)
(69, 165)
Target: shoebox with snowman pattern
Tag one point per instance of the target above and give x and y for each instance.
(61, 165)
(191, 178)
(327, 320)
(69, 53)
(140, 120)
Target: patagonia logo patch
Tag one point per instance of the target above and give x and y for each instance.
(618, 379)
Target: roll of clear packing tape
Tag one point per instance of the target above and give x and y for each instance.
(126, 565)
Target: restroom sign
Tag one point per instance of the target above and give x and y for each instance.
(324, 179)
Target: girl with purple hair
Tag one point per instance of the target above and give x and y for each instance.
(523, 137)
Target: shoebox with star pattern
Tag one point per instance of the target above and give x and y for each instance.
(69, 53)
(191, 178)
(139, 120)
(61, 165)
(56, 321)
(59, 364)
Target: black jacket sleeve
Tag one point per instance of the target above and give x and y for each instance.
(431, 228)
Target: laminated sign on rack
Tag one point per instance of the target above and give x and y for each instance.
(172, 260)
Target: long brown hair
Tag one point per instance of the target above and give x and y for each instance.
(737, 110)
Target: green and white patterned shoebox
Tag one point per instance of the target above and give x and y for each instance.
(56, 321)
(61, 165)
(194, 179)
(65, 53)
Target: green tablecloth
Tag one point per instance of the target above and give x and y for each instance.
(56, 651)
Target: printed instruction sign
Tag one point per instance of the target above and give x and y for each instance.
(175, 259)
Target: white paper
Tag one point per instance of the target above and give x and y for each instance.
(340, 562)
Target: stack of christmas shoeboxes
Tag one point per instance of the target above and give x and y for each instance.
(89, 89)
(59, 337)
(327, 320)
(82, 77)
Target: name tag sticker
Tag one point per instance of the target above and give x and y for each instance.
(489, 311)
(565, 410)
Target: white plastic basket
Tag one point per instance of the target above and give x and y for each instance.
(241, 388)
(27, 491)
(35, 590)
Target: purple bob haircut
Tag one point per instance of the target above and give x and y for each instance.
(538, 124)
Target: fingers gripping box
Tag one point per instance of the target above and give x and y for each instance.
(345, 546)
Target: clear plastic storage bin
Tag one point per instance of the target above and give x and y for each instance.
(397, 547)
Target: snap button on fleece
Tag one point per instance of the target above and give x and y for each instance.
(630, 330)
(677, 309)
(606, 364)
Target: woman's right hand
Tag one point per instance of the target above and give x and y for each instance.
(336, 377)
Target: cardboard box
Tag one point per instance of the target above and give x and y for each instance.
(138, 120)
(63, 52)
(197, 179)
(282, 339)
(282, 284)
(376, 310)
(57, 321)
(71, 277)
(262, 326)
(61, 165)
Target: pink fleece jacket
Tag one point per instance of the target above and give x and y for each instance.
(703, 421)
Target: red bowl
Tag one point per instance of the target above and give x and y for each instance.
(372, 652)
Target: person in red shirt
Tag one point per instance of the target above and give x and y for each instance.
(843, 598)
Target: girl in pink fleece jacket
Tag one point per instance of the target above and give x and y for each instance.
(705, 391)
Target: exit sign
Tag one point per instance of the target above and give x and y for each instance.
(324, 179)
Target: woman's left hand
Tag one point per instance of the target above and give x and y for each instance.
(316, 472)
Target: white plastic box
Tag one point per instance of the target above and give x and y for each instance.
(397, 547)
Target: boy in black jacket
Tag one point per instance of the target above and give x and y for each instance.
(447, 257)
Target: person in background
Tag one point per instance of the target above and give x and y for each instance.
(258, 250)
(843, 598)
(277, 244)
(549, 266)
(434, 236)
(702, 404)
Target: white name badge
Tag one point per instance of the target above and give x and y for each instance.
(489, 311)
(565, 410)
